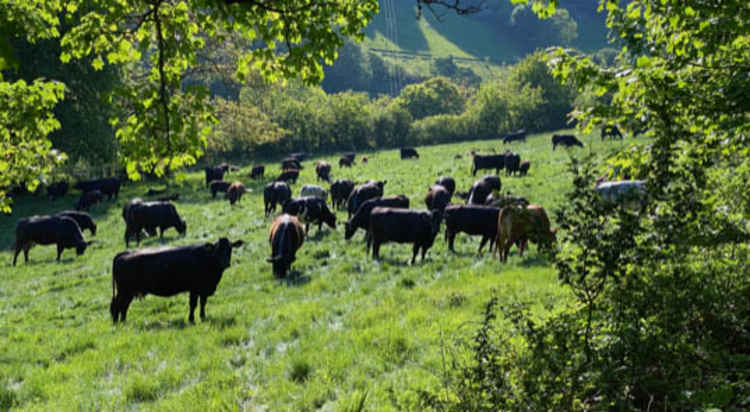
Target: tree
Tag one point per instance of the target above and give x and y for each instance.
(437, 95)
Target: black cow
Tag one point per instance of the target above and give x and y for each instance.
(611, 131)
(363, 192)
(89, 199)
(46, 230)
(300, 156)
(218, 186)
(340, 191)
(512, 163)
(235, 192)
(345, 162)
(215, 173)
(57, 189)
(288, 175)
(150, 216)
(273, 193)
(108, 186)
(349, 155)
(448, 183)
(290, 163)
(286, 236)
(83, 219)
(418, 227)
(496, 162)
(408, 153)
(196, 269)
(523, 170)
(566, 140)
(482, 188)
(311, 209)
(257, 172)
(323, 171)
(437, 198)
(361, 218)
(473, 220)
(517, 135)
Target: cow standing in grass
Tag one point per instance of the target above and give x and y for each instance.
(480, 162)
(257, 172)
(473, 220)
(218, 186)
(89, 199)
(518, 225)
(150, 216)
(235, 192)
(437, 198)
(286, 236)
(519, 135)
(47, 230)
(361, 218)
(83, 219)
(107, 186)
(567, 140)
(408, 153)
(311, 209)
(323, 171)
(482, 188)
(340, 191)
(275, 193)
(418, 227)
(288, 175)
(362, 193)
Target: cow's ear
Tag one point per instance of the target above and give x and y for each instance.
(238, 243)
(384, 182)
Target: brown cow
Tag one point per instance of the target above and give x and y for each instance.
(235, 192)
(518, 225)
(323, 170)
(286, 237)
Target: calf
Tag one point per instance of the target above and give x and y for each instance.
(611, 131)
(340, 191)
(273, 193)
(566, 140)
(290, 163)
(408, 153)
(196, 269)
(315, 191)
(519, 225)
(403, 226)
(517, 135)
(473, 220)
(215, 173)
(89, 199)
(448, 183)
(83, 219)
(482, 188)
(364, 159)
(361, 218)
(108, 186)
(235, 192)
(512, 162)
(523, 170)
(57, 189)
(257, 172)
(288, 175)
(323, 171)
(364, 192)
(311, 210)
(218, 186)
(46, 230)
(496, 162)
(437, 199)
(286, 236)
(150, 216)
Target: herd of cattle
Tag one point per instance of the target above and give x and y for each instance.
(503, 220)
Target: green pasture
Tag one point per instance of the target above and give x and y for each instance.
(347, 330)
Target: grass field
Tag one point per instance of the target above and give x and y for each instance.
(347, 329)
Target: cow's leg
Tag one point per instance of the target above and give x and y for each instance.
(492, 243)
(482, 243)
(124, 304)
(15, 255)
(193, 304)
(204, 298)
(114, 308)
(375, 249)
(59, 251)
(26, 249)
(424, 251)
(451, 240)
(161, 234)
(415, 252)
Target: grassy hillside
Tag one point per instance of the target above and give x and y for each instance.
(346, 328)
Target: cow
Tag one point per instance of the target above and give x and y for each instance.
(482, 188)
(168, 198)
(349, 155)
(273, 193)
(364, 160)
(235, 192)
(519, 134)
(566, 140)
(46, 230)
(323, 171)
(300, 156)
(611, 131)
(108, 186)
(168, 271)
(340, 191)
(408, 153)
(361, 219)
(286, 236)
(311, 209)
(290, 163)
(519, 225)
(448, 183)
(437, 199)
(83, 219)
(512, 162)
(523, 170)
(154, 192)
(496, 162)
(150, 216)
(506, 200)
(218, 186)
(345, 162)
(418, 227)
(315, 191)
(57, 189)
(363, 192)
(89, 199)
(215, 173)
(288, 175)
(629, 193)
(257, 172)
(473, 220)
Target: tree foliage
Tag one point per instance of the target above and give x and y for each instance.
(437, 95)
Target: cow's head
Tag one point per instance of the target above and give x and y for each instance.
(329, 218)
(222, 250)
(81, 247)
(93, 228)
(181, 227)
(349, 230)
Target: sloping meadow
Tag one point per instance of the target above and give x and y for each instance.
(345, 331)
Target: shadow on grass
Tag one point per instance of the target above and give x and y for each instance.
(295, 278)
(162, 325)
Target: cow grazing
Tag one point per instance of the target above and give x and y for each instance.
(150, 216)
(408, 153)
(291, 163)
(89, 199)
(513, 136)
(523, 170)
(257, 172)
(403, 226)
(168, 271)
(108, 186)
(340, 191)
(361, 219)
(519, 225)
(215, 173)
(512, 162)
(349, 155)
(311, 209)
(57, 189)
(480, 162)
(364, 192)
(235, 192)
(83, 219)
(314, 191)
(612, 132)
(566, 140)
(275, 193)
(218, 186)
(448, 183)
(169, 198)
(288, 175)
(286, 236)
(506, 200)
(437, 199)
(300, 156)
(323, 171)
(46, 230)
(345, 162)
(473, 220)
(482, 188)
